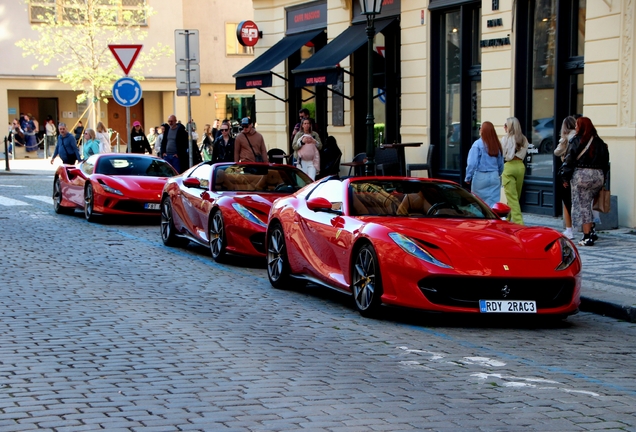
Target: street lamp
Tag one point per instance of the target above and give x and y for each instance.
(370, 8)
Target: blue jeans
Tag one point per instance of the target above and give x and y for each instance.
(174, 161)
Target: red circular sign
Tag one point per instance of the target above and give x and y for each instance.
(247, 33)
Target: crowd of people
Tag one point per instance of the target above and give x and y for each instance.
(494, 163)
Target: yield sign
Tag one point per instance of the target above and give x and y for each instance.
(125, 55)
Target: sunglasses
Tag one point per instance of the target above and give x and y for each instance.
(224, 129)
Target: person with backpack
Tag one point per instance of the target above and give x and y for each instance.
(583, 171)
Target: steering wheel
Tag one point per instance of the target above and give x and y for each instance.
(282, 186)
(435, 208)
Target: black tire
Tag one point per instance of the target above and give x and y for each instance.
(168, 230)
(278, 270)
(366, 282)
(57, 199)
(89, 203)
(218, 240)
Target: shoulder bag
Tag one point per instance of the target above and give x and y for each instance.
(257, 156)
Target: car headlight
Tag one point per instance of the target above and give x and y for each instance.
(110, 189)
(568, 253)
(247, 214)
(413, 248)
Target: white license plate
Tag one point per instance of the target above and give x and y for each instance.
(507, 306)
(152, 206)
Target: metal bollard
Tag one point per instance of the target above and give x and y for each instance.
(117, 142)
(6, 154)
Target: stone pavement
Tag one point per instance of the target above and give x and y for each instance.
(609, 286)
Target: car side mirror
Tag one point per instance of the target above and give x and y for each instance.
(319, 204)
(501, 210)
(192, 182)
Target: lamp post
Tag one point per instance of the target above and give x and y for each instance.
(370, 8)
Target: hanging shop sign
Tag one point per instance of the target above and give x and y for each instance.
(247, 33)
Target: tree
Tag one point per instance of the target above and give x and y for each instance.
(76, 34)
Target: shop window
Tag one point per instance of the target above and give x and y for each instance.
(232, 45)
(111, 12)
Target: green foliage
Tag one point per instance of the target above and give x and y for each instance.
(76, 34)
(377, 129)
(311, 106)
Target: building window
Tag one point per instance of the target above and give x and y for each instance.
(232, 45)
(109, 12)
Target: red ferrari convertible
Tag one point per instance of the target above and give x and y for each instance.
(419, 243)
(225, 206)
(113, 184)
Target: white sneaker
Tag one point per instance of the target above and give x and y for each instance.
(568, 233)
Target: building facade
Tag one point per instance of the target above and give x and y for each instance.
(39, 91)
(441, 67)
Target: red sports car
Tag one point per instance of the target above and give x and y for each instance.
(113, 184)
(225, 205)
(419, 243)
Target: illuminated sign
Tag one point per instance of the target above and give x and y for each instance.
(247, 33)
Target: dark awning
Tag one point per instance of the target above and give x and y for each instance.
(322, 67)
(259, 72)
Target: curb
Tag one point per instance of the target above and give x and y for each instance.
(605, 308)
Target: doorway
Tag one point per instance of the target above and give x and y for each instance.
(117, 120)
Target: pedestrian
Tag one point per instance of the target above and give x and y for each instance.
(16, 135)
(302, 115)
(485, 165)
(102, 135)
(584, 169)
(515, 148)
(79, 131)
(174, 144)
(249, 145)
(223, 146)
(207, 143)
(152, 137)
(138, 141)
(30, 130)
(567, 133)
(66, 147)
(307, 147)
(51, 132)
(215, 129)
(91, 143)
(157, 147)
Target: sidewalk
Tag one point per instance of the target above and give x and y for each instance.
(609, 286)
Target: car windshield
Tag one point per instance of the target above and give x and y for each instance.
(259, 178)
(134, 166)
(412, 198)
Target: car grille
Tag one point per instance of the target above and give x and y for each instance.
(467, 291)
(258, 241)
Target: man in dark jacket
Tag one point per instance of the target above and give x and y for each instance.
(138, 140)
(66, 147)
(174, 144)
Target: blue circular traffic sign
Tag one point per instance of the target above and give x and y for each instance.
(127, 92)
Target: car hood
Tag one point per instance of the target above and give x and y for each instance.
(486, 239)
(135, 185)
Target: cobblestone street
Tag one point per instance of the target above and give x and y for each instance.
(103, 327)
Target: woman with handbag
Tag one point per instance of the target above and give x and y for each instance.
(567, 133)
(583, 171)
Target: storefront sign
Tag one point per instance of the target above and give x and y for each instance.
(486, 43)
(306, 17)
(495, 5)
(257, 81)
(247, 33)
(497, 22)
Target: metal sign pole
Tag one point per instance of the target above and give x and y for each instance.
(127, 129)
(187, 49)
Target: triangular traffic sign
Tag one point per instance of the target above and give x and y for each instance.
(125, 55)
